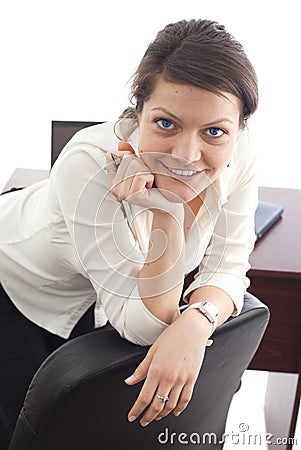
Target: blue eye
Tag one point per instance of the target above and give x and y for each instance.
(165, 124)
(214, 132)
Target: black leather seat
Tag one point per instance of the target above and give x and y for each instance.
(79, 401)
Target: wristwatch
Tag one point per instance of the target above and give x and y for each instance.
(208, 310)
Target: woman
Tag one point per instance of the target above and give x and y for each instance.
(130, 208)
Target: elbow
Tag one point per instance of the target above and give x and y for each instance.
(135, 323)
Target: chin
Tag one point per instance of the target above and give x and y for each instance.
(171, 196)
(176, 195)
(175, 191)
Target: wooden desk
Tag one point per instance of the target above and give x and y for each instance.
(275, 279)
(25, 177)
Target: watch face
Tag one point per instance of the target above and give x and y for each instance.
(209, 310)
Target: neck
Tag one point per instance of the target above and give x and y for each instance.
(194, 205)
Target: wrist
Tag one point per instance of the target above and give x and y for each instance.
(207, 310)
(197, 323)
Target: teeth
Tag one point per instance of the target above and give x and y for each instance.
(185, 173)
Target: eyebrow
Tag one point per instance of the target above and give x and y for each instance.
(164, 110)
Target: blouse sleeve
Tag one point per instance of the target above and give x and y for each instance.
(107, 252)
(226, 260)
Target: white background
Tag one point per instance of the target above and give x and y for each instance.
(71, 60)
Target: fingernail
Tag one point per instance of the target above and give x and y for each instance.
(132, 418)
(129, 379)
(144, 424)
(177, 413)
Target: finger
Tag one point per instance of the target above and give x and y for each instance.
(116, 161)
(157, 406)
(141, 370)
(130, 180)
(111, 168)
(148, 389)
(139, 181)
(173, 399)
(157, 199)
(153, 395)
(116, 156)
(185, 398)
(109, 160)
(124, 187)
(113, 161)
(125, 146)
(145, 399)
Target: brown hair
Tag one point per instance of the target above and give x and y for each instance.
(201, 53)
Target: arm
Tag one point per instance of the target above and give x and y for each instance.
(222, 281)
(226, 260)
(218, 297)
(161, 278)
(105, 249)
(174, 373)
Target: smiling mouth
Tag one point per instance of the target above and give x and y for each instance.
(180, 172)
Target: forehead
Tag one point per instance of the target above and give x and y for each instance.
(185, 99)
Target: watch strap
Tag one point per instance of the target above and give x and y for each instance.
(208, 310)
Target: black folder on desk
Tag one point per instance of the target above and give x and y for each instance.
(265, 216)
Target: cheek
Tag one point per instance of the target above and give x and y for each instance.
(216, 161)
(148, 143)
(219, 157)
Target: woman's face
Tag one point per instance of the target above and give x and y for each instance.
(187, 136)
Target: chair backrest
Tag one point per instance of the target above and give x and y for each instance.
(61, 132)
(78, 399)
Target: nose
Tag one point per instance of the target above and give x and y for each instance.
(188, 147)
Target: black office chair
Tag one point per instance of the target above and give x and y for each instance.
(79, 401)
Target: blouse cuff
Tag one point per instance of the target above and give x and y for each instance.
(234, 287)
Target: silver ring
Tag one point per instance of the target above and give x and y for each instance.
(115, 161)
(164, 399)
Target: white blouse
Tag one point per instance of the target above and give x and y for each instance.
(67, 242)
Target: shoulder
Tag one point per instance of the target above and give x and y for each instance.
(95, 141)
(83, 156)
(245, 154)
(243, 165)
(99, 136)
(105, 135)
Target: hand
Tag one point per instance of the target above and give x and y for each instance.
(133, 181)
(170, 368)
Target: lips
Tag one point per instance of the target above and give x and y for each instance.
(180, 173)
